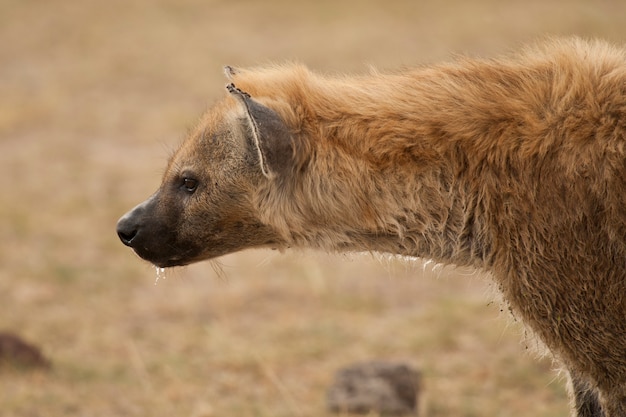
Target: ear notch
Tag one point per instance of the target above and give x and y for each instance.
(270, 136)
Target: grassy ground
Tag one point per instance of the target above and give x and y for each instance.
(94, 95)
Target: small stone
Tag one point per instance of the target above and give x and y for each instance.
(17, 354)
(387, 388)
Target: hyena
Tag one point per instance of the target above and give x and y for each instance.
(515, 166)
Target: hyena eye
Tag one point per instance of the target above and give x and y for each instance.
(190, 185)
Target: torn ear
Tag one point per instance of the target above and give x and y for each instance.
(270, 136)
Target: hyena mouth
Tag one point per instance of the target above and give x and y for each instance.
(161, 261)
(172, 262)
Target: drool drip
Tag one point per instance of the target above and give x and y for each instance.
(160, 274)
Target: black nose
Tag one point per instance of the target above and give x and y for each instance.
(126, 231)
(126, 236)
(131, 227)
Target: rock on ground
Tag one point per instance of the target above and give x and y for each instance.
(15, 353)
(388, 388)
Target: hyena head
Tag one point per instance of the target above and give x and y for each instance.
(204, 207)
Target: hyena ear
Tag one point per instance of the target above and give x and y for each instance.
(230, 72)
(270, 136)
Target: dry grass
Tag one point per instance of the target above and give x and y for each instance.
(93, 95)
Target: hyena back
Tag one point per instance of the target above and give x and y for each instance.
(515, 166)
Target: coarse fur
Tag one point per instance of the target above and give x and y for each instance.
(515, 166)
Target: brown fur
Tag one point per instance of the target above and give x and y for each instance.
(515, 166)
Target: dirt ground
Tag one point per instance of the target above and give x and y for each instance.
(94, 96)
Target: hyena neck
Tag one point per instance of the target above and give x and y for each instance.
(379, 176)
(422, 214)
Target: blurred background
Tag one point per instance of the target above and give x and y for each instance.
(95, 95)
